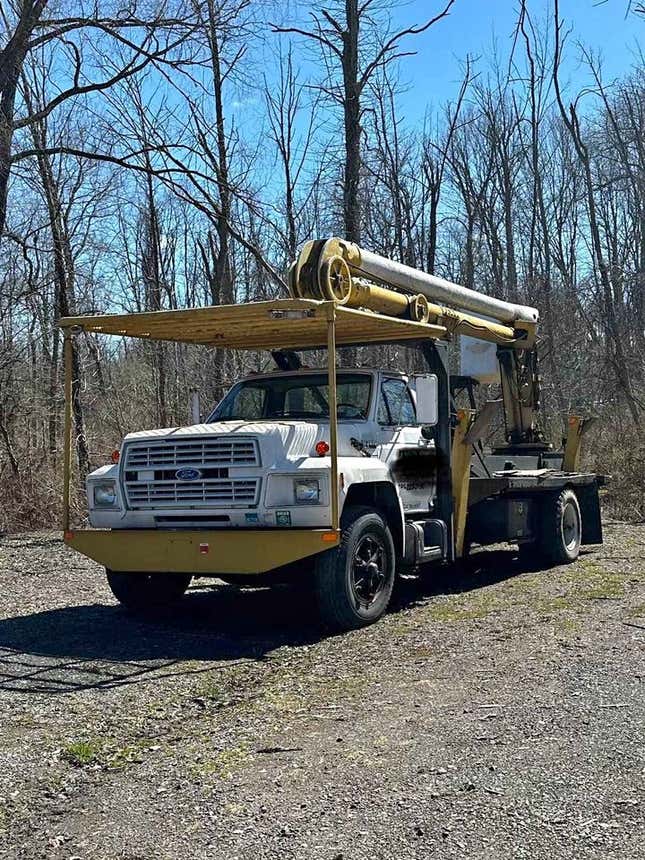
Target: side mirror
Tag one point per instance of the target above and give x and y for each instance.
(426, 387)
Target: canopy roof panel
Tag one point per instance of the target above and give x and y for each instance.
(279, 324)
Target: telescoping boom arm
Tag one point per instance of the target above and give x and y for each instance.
(340, 271)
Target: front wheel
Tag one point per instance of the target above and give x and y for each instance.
(353, 583)
(147, 591)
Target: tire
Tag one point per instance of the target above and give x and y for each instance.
(147, 591)
(561, 528)
(346, 599)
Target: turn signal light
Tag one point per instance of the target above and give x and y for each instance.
(322, 448)
(115, 457)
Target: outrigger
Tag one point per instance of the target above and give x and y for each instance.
(343, 476)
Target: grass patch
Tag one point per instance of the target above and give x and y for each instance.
(222, 764)
(82, 753)
(213, 692)
(120, 757)
(600, 584)
(604, 591)
(479, 605)
(296, 692)
(555, 604)
(588, 580)
(107, 755)
(568, 625)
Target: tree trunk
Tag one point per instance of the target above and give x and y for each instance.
(12, 58)
(352, 122)
(64, 278)
(224, 269)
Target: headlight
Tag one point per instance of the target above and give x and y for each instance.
(105, 495)
(307, 492)
(295, 489)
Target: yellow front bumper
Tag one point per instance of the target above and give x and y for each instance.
(199, 552)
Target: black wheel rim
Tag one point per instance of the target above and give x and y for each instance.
(369, 570)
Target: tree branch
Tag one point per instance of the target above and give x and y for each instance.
(391, 45)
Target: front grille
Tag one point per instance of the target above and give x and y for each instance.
(215, 488)
(200, 453)
(172, 494)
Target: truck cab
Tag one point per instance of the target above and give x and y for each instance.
(261, 457)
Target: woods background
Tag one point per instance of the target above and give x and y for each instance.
(151, 157)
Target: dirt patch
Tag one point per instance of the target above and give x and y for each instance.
(494, 713)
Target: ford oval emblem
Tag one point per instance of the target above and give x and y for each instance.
(188, 474)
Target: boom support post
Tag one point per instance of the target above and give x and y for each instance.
(521, 396)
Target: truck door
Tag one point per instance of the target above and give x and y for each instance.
(400, 443)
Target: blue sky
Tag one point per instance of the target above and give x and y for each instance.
(432, 76)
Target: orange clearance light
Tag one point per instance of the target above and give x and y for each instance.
(329, 537)
(322, 448)
(115, 456)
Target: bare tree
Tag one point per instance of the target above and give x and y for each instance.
(64, 273)
(435, 159)
(30, 32)
(354, 46)
(614, 339)
(284, 106)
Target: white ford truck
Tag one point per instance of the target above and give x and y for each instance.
(261, 460)
(339, 477)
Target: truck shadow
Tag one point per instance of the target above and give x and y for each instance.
(98, 646)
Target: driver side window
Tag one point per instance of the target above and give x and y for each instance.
(395, 404)
(248, 402)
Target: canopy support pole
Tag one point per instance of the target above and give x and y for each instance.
(67, 434)
(333, 413)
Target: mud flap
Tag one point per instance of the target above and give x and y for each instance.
(589, 502)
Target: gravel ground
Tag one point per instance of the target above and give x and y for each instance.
(498, 713)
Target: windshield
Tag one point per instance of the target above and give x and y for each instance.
(295, 397)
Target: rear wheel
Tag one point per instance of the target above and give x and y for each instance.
(353, 583)
(561, 528)
(141, 591)
(559, 531)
